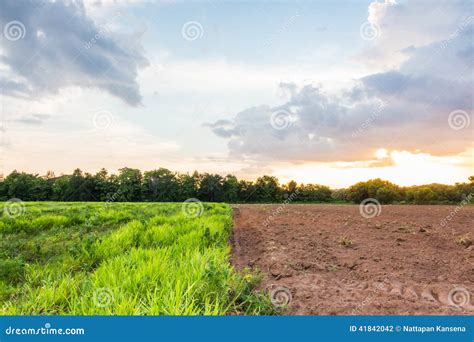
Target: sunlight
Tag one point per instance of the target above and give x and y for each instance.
(406, 169)
(381, 153)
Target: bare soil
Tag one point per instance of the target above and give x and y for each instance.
(334, 261)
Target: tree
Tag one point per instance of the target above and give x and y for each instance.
(247, 191)
(165, 185)
(73, 191)
(25, 186)
(104, 187)
(291, 187)
(314, 193)
(339, 195)
(129, 184)
(210, 188)
(160, 185)
(357, 192)
(188, 186)
(60, 188)
(267, 189)
(385, 195)
(424, 195)
(382, 190)
(231, 189)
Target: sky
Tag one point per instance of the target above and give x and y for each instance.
(328, 92)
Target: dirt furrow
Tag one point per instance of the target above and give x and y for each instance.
(333, 260)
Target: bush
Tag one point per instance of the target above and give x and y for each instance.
(382, 190)
(11, 270)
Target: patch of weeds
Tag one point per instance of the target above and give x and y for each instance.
(247, 299)
(11, 270)
(464, 240)
(346, 241)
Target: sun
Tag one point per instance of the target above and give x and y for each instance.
(381, 153)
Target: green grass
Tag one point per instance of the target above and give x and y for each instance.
(121, 259)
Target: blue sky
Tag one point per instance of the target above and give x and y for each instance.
(237, 30)
(331, 92)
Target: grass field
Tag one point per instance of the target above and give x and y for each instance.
(122, 258)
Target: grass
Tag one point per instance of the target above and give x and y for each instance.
(346, 241)
(122, 259)
(464, 240)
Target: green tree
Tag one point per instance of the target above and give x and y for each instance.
(424, 195)
(267, 189)
(247, 191)
(25, 186)
(129, 184)
(188, 185)
(314, 193)
(211, 188)
(357, 192)
(160, 185)
(291, 188)
(231, 189)
(104, 189)
(385, 195)
(388, 193)
(60, 188)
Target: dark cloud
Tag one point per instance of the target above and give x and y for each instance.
(62, 46)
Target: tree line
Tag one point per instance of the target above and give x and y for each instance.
(163, 185)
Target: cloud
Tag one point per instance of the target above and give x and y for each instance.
(61, 46)
(222, 128)
(33, 119)
(410, 24)
(12, 88)
(405, 107)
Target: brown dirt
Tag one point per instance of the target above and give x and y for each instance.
(336, 262)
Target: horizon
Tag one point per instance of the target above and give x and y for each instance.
(52, 175)
(313, 92)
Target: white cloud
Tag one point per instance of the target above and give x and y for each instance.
(410, 24)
